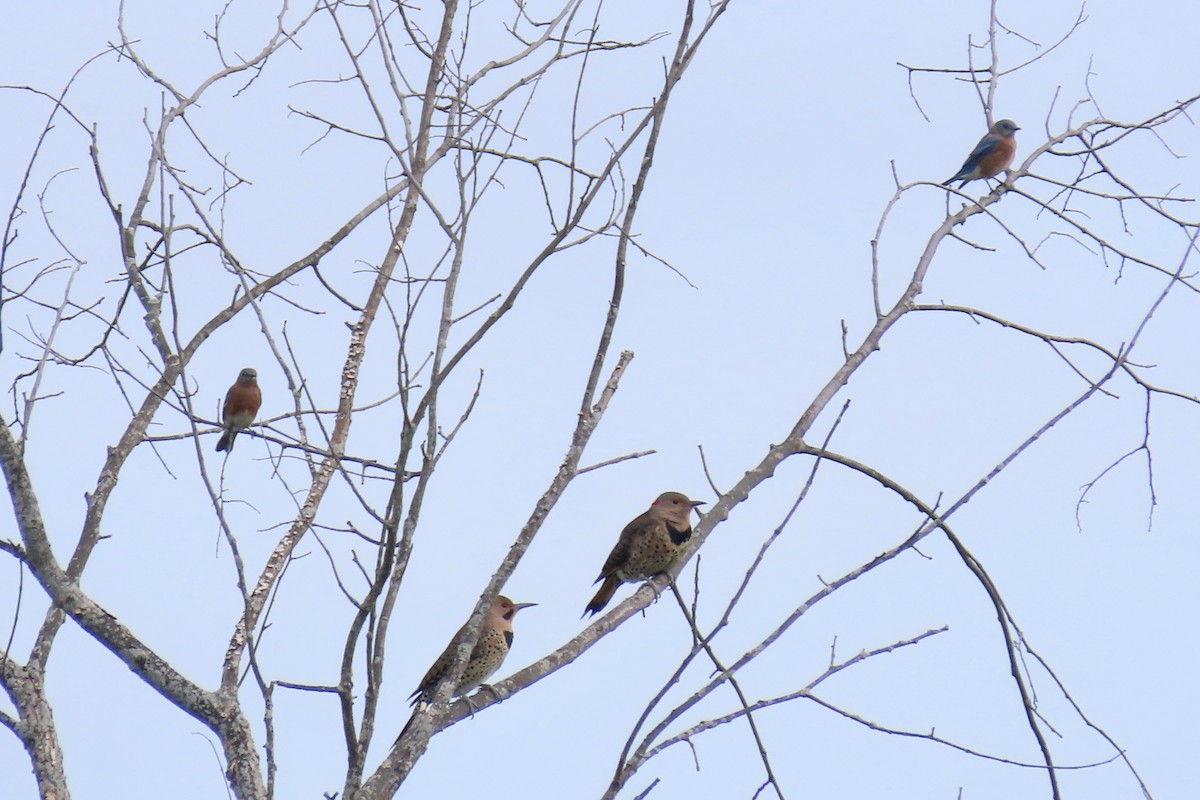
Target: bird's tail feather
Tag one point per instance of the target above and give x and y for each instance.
(407, 725)
(602, 596)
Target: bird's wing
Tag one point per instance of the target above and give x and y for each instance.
(440, 664)
(621, 552)
(618, 556)
(986, 145)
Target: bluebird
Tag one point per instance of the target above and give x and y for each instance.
(647, 546)
(994, 153)
(241, 406)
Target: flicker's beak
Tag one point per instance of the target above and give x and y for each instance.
(518, 606)
(698, 503)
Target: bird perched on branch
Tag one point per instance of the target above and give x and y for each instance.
(647, 546)
(994, 153)
(242, 402)
(495, 639)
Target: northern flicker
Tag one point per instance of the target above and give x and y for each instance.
(495, 638)
(242, 402)
(647, 546)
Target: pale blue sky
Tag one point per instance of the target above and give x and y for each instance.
(774, 167)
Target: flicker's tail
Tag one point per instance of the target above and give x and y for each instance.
(407, 725)
(603, 596)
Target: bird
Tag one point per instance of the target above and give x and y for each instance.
(994, 153)
(495, 639)
(242, 402)
(647, 546)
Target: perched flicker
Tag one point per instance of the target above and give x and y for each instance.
(495, 638)
(648, 546)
